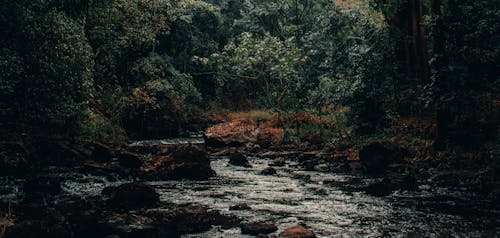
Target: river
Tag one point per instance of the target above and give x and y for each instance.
(330, 204)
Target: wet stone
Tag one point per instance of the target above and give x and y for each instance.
(278, 162)
(129, 160)
(131, 195)
(297, 232)
(322, 167)
(241, 206)
(268, 171)
(257, 228)
(239, 159)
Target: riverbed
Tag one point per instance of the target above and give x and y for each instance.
(330, 204)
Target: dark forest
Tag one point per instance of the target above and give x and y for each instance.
(249, 118)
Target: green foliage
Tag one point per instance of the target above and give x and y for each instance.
(196, 31)
(465, 78)
(149, 66)
(100, 128)
(60, 85)
(266, 71)
(357, 60)
(12, 72)
(121, 32)
(165, 98)
(52, 80)
(307, 132)
(389, 7)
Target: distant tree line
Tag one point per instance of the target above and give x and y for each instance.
(149, 67)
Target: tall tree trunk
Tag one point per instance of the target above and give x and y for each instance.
(443, 114)
(421, 44)
(413, 49)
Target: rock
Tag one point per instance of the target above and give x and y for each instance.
(184, 219)
(390, 183)
(224, 151)
(322, 167)
(268, 171)
(276, 154)
(129, 160)
(301, 176)
(13, 159)
(403, 181)
(59, 216)
(297, 232)
(185, 162)
(233, 133)
(266, 236)
(310, 159)
(269, 136)
(239, 159)
(194, 219)
(101, 152)
(129, 225)
(144, 147)
(379, 189)
(47, 152)
(314, 139)
(241, 206)
(131, 195)
(37, 228)
(309, 165)
(377, 156)
(225, 221)
(355, 166)
(42, 184)
(320, 191)
(195, 145)
(278, 162)
(257, 228)
(252, 147)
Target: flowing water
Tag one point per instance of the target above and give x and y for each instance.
(332, 205)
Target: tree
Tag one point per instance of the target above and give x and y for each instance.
(162, 102)
(197, 30)
(465, 69)
(262, 70)
(54, 65)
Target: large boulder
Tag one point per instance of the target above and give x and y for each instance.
(51, 152)
(189, 218)
(233, 133)
(297, 232)
(131, 195)
(239, 159)
(101, 152)
(129, 160)
(257, 228)
(240, 132)
(270, 136)
(377, 156)
(268, 171)
(42, 184)
(278, 162)
(392, 182)
(182, 162)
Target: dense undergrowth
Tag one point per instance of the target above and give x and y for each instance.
(341, 72)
